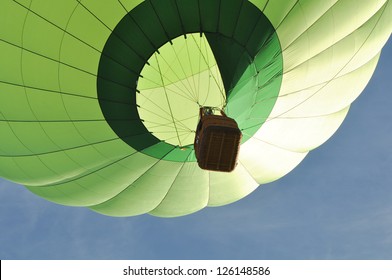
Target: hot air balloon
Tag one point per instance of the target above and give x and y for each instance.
(100, 100)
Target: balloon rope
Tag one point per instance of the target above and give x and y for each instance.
(212, 75)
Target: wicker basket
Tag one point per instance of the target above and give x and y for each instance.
(217, 143)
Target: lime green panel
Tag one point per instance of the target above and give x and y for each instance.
(34, 170)
(76, 82)
(300, 50)
(64, 134)
(12, 17)
(55, 12)
(81, 159)
(181, 59)
(189, 193)
(79, 108)
(95, 154)
(272, 162)
(87, 29)
(39, 72)
(80, 55)
(98, 184)
(41, 38)
(10, 70)
(170, 19)
(9, 169)
(144, 194)
(17, 106)
(226, 188)
(33, 136)
(46, 105)
(109, 12)
(10, 144)
(278, 10)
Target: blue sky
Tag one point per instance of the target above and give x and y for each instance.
(337, 204)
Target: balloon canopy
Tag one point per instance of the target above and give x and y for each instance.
(99, 100)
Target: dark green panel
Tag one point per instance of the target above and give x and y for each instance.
(228, 19)
(248, 19)
(262, 33)
(190, 16)
(130, 32)
(169, 17)
(120, 93)
(148, 21)
(124, 54)
(209, 14)
(116, 73)
(231, 58)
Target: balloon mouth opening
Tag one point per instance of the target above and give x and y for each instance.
(162, 62)
(178, 79)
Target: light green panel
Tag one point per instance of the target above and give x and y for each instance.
(56, 12)
(64, 134)
(46, 105)
(94, 131)
(41, 37)
(188, 193)
(12, 18)
(74, 81)
(79, 108)
(376, 39)
(299, 19)
(363, 11)
(33, 136)
(24, 3)
(39, 71)
(333, 60)
(87, 28)
(10, 143)
(320, 100)
(9, 70)
(79, 55)
(110, 12)
(72, 162)
(301, 133)
(277, 10)
(144, 194)
(18, 107)
(35, 171)
(93, 155)
(272, 162)
(113, 148)
(226, 188)
(194, 50)
(10, 170)
(63, 165)
(99, 184)
(302, 50)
